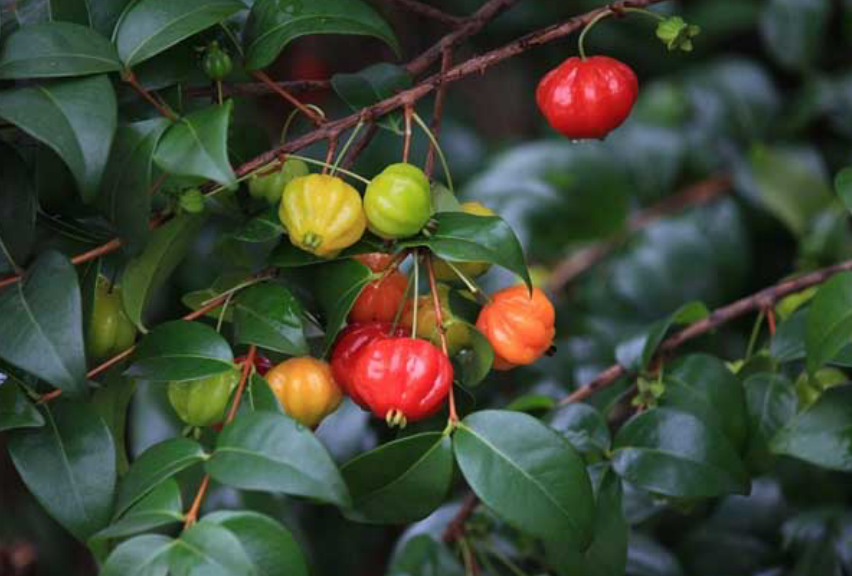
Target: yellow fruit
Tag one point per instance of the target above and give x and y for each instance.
(306, 389)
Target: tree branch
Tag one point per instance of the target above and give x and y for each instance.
(438, 113)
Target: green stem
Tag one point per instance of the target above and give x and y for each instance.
(416, 285)
(230, 34)
(589, 26)
(467, 556)
(653, 15)
(225, 305)
(434, 142)
(219, 91)
(514, 568)
(326, 164)
(342, 154)
(755, 331)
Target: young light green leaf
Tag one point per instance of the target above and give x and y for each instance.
(273, 24)
(179, 351)
(156, 465)
(42, 328)
(197, 145)
(146, 555)
(149, 27)
(271, 452)
(269, 316)
(61, 115)
(527, 473)
(208, 549)
(462, 237)
(161, 507)
(69, 465)
(16, 410)
(338, 286)
(56, 49)
(148, 271)
(829, 322)
(822, 434)
(402, 481)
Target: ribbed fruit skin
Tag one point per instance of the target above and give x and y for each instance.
(306, 389)
(589, 98)
(398, 202)
(351, 341)
(380, 299)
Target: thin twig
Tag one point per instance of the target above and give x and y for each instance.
(430, 12)
(315, 118)
(442, 331)
(130, 78)
(456, 526)
(406, 139)
(360, 146)
(438, 113)
(329, 156)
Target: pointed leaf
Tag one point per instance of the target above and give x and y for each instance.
(16, 410)
(269, 316)
(207, 549)
(829, 323)
(151, 26)
(146, 555)
(161, 507)
(273, 24)
(197, 145)
(69, 465)
(271, 452)
(822, 434)
(264, 227)
(148, 271)
(56, 49)
(338, 286)
(772, 403)
(42, 328)
(17, 211)
(402, 481)
(506, 455)
(61, 115)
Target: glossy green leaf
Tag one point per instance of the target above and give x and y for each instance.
(125, 195)
(61, 115)
(462, 237)
(151, 26)
(146, 555)
(703, 386)
(161, 507)
(583, 426)
(443, 200)
(422, 555)
(788, 343)
(42, 328)
(402, 481)
(180, 350)
(269, 316)
(17, 211)
(822, 434)
(338, 285)
(69, 465)
(371, 85)
(673, 453)
(148, 271)
(197, 145)
(271, 452)
(637, 353)
(260, 397)
(111, 401)
(772, 402)
(473, 364)
(794, 30)
(843, 186)
(527, 473)
(270, 546)
(288, 256)
(607, 554)
(154, 466)
(273, 24)
(532, 403)
(16, 410)
(829, 322)
(56, 49)
(208, 549)
(265, 227)
(75, 11)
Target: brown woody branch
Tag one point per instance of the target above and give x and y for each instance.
(438, 113)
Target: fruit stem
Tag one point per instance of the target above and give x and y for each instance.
(755, 332)
(438, 149)
(589, 26)
(219, 91)
(654, 15)
(321, 163)
(406, 140)
(414, 295)
(332, 148)
(346, 146)
(442, 332)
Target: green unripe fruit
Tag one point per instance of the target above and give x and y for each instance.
(110, 331)
(203, 402)
(270, 187)
(216, 62)
(192, 201)
(398, 202)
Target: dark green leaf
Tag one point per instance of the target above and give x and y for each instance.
(474, 363)
(402, 481)
(16, 410)
(843, 185)
(462, 237)
(273, 24)
(265, 227)
(151, 26)
(62, 116)
(208, 549)
(156, 465)
(70, 11)
(288, 256)
(17, 210)
(703, 386)
(111, 402)
(197, 145)
(269, 316)
(270, 547)
(161, 507)
(180, 350)
(772, 402)
(829, 323)
(371, 85)
(55, 49)
(338, 286)
(794, 30)
(69, 465)
(636, 354)
(583, 426)
(532, 403)
(673, 453)
(822, 434)
(788, 344)
(423, 556)
(607, 554)
(125, 196)
(259, 397)
(527, 473)
(42, 328)
(148, 271)
(271, 452)
(146, 555)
